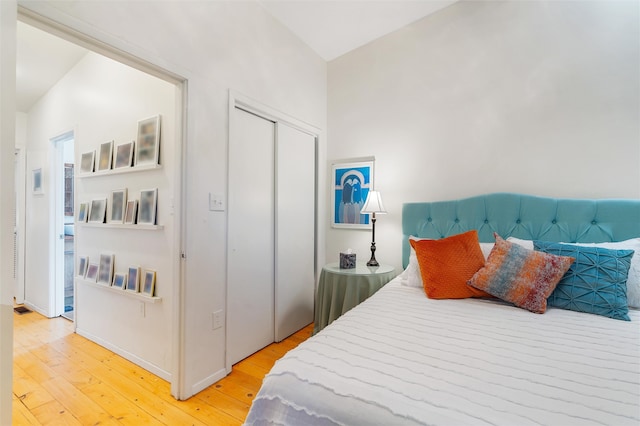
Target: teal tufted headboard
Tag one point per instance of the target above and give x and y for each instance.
(522, 216)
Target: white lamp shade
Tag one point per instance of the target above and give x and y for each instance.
(373, 204)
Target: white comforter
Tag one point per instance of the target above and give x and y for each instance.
(402, 359)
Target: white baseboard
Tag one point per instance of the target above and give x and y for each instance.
(127, 355)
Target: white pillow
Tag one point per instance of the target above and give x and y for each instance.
(633, 279)
(411, 276)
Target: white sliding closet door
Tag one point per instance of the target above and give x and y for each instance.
(251, 198)
(295, 229)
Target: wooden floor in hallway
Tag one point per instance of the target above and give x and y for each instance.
(61, 378)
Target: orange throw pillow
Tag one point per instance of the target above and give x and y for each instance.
(447, 264)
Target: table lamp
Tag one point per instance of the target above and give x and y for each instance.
(373, 205)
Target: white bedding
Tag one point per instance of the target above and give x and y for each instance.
(402, 359)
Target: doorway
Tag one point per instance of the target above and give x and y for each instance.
(64, 228)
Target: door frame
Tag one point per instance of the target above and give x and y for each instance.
(238, 100)
(56, 266)
(53, 21)
(20, 191)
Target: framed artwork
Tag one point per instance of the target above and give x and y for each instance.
(97, 211)
(37, 184)
(130, 212)
(148, 142)
(351, 181)
(106, 156)
(105, 270)
(148, 282)
(92, 272)
(83, 212)
(124, 155)
(117, 205)
(133, 279)
(87, 162)
(83, 263)
(147, 207)
(120, 281)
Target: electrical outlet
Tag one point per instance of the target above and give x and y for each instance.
(217, 319)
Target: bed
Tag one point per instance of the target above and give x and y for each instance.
(401, 358)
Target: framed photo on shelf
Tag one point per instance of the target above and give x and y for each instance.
(120, 281)
(83, 263)
(92, 272)
(83, 212)
(124, 155)
(105, 271)
(148, 283)
(147, 150)
(87, 162)
(117, 205)
(147, 207)
(131, 212)
(133, 279)
(97, 212)
(351, 181)
(37, 184)
(106, 156)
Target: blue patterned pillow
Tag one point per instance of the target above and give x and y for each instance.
(595, 283)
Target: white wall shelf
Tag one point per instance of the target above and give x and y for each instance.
(122, 226)
(110, 172)
(128, 293)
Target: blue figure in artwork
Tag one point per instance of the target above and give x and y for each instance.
(351, 202)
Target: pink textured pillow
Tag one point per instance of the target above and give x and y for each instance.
(523, 277)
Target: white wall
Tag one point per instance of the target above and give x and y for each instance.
(532, 97)
(217, 46)
(102, 100)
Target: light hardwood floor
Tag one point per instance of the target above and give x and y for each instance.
(61, 378)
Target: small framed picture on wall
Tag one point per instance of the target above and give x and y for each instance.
(120, 280)
(147, 207)
(148, 282)
(124, 155)
(147, 150)
(117, 205)
(105, 271)
(106, 156)
(87, 162)
(83, 211)
(83, 263)
(131, 212)
(133, 279)
(97, 211)
(92, 272)
(37, 184)
(351, 180)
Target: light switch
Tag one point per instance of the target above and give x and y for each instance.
(216, 202)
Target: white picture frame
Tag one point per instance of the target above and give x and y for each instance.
(98, 210)
(117, 206)
(148, 206)
(92, 272)
(87, 162)
(37, 184)
(83, 213)
(147, 149)
(105, 269)
(106, 156)
(120, 281)
(83, 265)
(131, 212)
(133, 279)
(124, 155)
(148, 284)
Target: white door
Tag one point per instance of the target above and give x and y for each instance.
(295, 229)
(250, 264)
